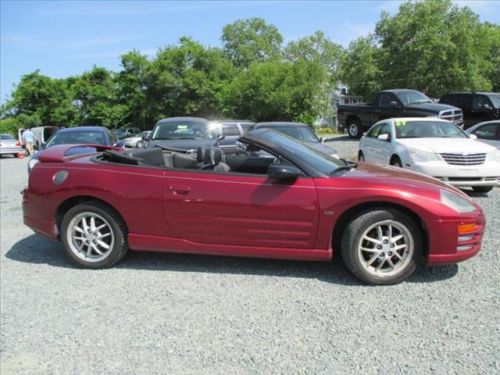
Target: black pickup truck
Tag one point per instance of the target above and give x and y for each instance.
(357, 118)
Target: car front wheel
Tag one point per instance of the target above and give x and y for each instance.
(382, 247)
(94, 235)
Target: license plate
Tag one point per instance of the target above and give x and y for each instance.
(467, 172)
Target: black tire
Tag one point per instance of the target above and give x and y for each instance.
(482, 189)
(361, 157)
(139, 144)
(116, 224)
(352, 242)
(354, 128)
(396, 162)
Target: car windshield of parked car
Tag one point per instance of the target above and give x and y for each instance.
(77, 137)
(427, 129)
(495, 100)
(189, 129)
(6, 137)
(413, 97)
(325, 163)
(302, 133)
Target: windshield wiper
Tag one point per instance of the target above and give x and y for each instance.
(347, 167)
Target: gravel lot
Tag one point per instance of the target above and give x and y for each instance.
(168, 313)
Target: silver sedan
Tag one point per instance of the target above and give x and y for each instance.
(487, 132)
(9, 145)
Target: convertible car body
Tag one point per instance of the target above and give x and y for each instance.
(299, 204)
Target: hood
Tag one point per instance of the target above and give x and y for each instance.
(322, 148)
(431, 107)
(447, 145)
(386, 174)
(183, 145)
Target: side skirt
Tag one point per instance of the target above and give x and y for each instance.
(179, 245)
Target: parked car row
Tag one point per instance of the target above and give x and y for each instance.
(463, 108)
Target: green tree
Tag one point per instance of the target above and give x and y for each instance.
(434, 46)
(251, 40)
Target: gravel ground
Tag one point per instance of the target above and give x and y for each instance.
(168, 313)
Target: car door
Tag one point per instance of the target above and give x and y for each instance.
(368, 143)
(241, 209)
(381, 148)
(388, 106)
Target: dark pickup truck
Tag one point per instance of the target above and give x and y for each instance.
(357, 118)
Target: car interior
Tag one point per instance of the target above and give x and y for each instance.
(208, 159)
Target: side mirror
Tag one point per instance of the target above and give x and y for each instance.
(220, 137)
(486, 106)
(472, 136)
(384, 137)
(394, 104)
(283, 172)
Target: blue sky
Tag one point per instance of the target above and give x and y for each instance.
(63, 38)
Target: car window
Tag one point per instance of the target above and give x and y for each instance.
(302, 133)
(480, 101)
(6, 137)
(184, 129)
(448, 99)
(112, 138)
(428, 129)
(230, 130)
(495, 100)
(77, 137)
(386, 99)
(386, 129)
(413, 97)
(488, 131)
(246, 127)
(373, 132)
(464, 101)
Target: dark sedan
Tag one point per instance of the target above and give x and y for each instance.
(299, 131)
(91, 135)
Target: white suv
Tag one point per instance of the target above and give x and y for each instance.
(435, 147)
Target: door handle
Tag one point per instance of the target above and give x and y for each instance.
(180, 189)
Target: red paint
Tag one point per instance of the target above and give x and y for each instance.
(242, 215)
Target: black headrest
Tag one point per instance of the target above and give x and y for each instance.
(213, 156)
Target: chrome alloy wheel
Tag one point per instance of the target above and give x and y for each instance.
(386, 248)
(353, 130)
(90, 236)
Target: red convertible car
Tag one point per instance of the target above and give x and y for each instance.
(290, 202)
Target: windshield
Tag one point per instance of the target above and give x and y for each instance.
(302, 133)
(187, 129)
(413, 97)
(6, 137)
(427, 129)
(495, 100)
(325, 163)
(77, 137)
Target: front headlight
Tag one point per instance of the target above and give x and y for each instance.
(493, 156)
(419, 156)
(32, 163)
(456, 202)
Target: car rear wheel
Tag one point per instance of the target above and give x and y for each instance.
(94, 235)
(382, 247)
(354, 129)
(482, 189)
(396, 162)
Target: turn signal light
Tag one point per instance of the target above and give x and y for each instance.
(467, 228)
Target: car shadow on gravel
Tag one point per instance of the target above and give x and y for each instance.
(35, 249)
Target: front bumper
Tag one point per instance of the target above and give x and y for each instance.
(487, 174)
(448, 246)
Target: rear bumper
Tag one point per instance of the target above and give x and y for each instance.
(11, 150)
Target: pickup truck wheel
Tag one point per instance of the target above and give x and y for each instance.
(382, 247)
(396, 162)
(354, 129)
(94, 235)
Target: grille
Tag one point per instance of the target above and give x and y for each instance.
(460, 159)
(454, 115)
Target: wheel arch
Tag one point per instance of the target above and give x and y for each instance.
(353, 117)
(348, 215)
(76, 200)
